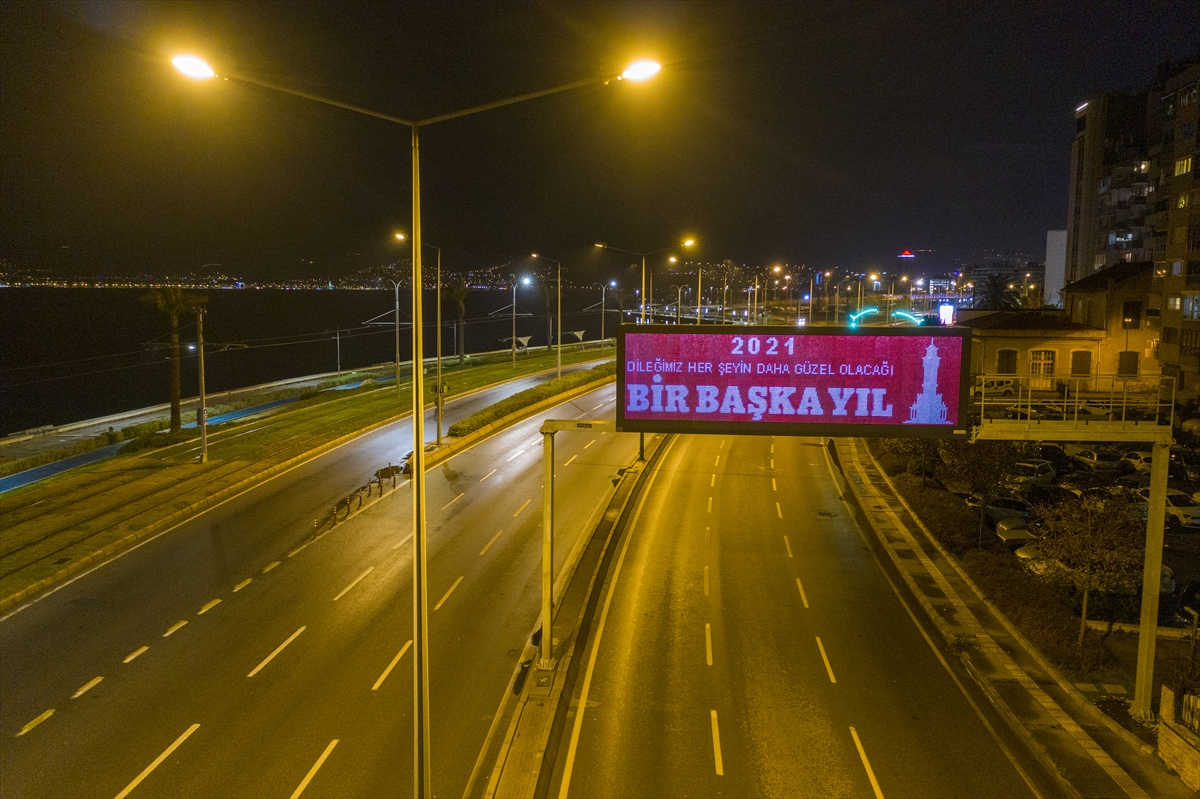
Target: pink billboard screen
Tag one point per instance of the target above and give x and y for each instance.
(775, 380)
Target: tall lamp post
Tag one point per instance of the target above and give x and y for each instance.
(603, 294)
(642, 70)
(202, 413)
(643, 255)
(558, 330)
(438, 394)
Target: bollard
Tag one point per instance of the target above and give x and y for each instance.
(360, 499)
(335, 514)
(314, 526)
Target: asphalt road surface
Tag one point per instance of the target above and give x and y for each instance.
(225, 658)
(754, 646)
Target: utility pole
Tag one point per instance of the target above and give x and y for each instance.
(202, 411)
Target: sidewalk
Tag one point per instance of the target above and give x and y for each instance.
(1087, 752)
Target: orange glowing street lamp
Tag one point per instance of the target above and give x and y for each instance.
(196, 68)
(685, 243)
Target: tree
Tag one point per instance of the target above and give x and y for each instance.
(454, 294)
(1099, 540)
(984, 466)
(995, 295)
(174, 302)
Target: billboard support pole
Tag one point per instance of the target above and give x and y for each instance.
(546, 645)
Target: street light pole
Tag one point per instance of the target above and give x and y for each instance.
(686, 243)
(699, 300)
(422, 785)
(439, 396)
(642, 70)
(202, 411)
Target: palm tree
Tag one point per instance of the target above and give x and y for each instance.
(455, 295)
(174, 301)
(995, 295)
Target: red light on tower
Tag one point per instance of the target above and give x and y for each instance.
(906, 254)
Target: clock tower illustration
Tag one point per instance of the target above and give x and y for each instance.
(929, 408)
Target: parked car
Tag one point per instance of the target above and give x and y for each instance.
(1015, 532)
(1057, 457)
(1083, 412)
(1189, 461)
(1099, 460)
(1033, 413)
(1183, 512)
(1136, 461)
(1044, 495)
(1003, 507)
(1078, 482)
(995, 386)
(1036, 472)
(1134, 481)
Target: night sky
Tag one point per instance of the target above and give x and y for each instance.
(819, 133)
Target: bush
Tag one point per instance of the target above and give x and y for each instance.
(531, 396)
(157, 440)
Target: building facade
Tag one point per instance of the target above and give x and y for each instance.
(1172, 108)
(1122, 302)
(1133, 200)
(1109, 186)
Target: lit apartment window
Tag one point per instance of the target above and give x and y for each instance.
(1183, 166)
(1173, 303)
(1189, 94)
(1177, 268)
(1183, 201)
(1191, 306)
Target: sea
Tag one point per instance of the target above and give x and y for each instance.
(70, 354)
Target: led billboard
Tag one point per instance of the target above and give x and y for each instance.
(813, 381)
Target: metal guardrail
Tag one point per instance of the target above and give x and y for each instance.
(1143, 399)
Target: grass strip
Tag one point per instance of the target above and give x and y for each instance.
(531, 396)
